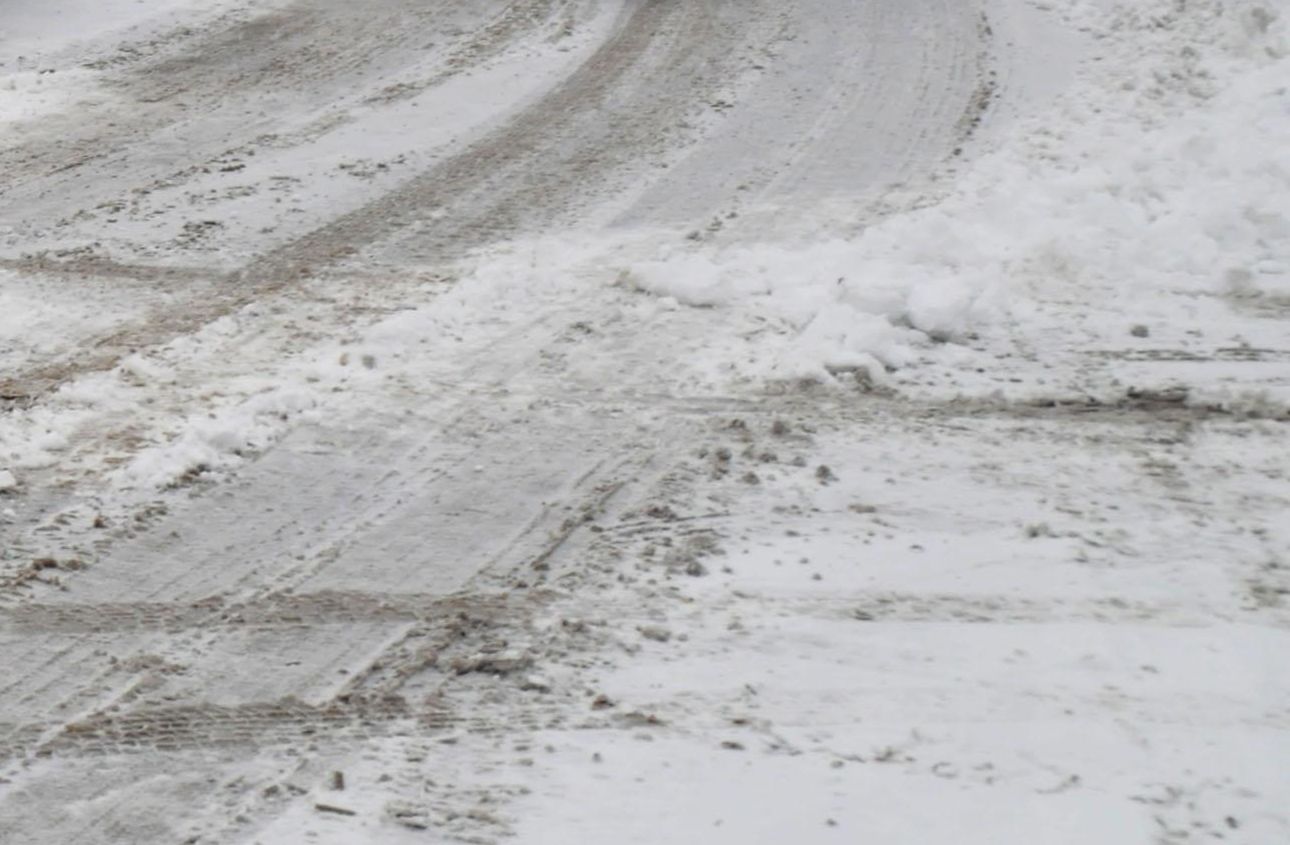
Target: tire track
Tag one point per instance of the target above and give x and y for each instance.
(446, 643)
(290, 53)
(413, 511)
(277, 610)
(59, 641)
(524, 175)
(291, 611)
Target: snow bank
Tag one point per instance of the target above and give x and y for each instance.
(1164, 175)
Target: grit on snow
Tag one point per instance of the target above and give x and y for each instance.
(663, 422)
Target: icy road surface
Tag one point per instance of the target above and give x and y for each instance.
(661, 421)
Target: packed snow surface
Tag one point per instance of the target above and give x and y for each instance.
(704, 422)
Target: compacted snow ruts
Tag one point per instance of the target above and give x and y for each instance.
(581, 420)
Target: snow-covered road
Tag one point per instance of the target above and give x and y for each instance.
(643, 420)
(214, 165)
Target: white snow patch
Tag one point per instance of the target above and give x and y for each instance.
(1160, 181)
(29, 94)
(221, 440)
(34, 32)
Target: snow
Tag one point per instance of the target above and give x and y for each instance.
(897, 536)
(41, 42)
(950, 676)
(33, 32)
(1133, 198)
(38, 319)
(28, 94)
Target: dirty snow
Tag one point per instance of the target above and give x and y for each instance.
(957, 521)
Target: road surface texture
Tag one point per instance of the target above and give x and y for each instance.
(509, 562)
